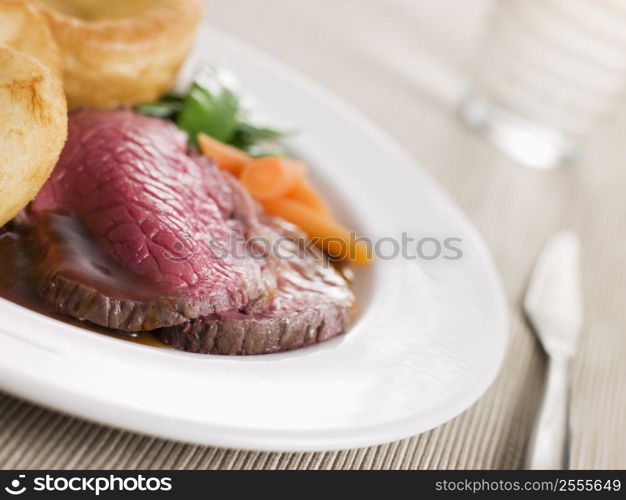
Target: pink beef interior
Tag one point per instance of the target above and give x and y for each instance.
(163, 214)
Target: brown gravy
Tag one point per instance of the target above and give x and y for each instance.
(18, 283)
(76, 256)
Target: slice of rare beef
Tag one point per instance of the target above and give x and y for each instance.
(313, 303)
(137, 232)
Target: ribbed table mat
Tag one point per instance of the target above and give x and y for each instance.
(362, 50)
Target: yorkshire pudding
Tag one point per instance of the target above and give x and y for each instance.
(25, 28)
(121, 52)
(33, 128)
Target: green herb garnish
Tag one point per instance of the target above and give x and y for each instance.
(212, 105)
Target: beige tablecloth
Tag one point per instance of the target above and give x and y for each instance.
(398, 61)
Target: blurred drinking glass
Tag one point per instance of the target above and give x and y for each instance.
(547, 71)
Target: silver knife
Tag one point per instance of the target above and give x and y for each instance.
(553, 305)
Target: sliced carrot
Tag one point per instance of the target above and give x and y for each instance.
(336, 240)
(305, 192)
(225, 156)
(271, 176)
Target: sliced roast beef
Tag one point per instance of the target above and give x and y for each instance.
(137, 232)
(313, 304)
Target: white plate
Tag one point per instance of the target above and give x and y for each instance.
(428, 341)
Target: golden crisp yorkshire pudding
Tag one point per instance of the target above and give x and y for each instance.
(33, 128)
(119, 52)
(25, 28)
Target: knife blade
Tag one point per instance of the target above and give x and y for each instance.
(553, 302)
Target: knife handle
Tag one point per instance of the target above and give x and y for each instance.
(548, 448)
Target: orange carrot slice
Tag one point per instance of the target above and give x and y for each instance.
(225, 156)
(305, 192)
(334, 239)
(271, 176)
